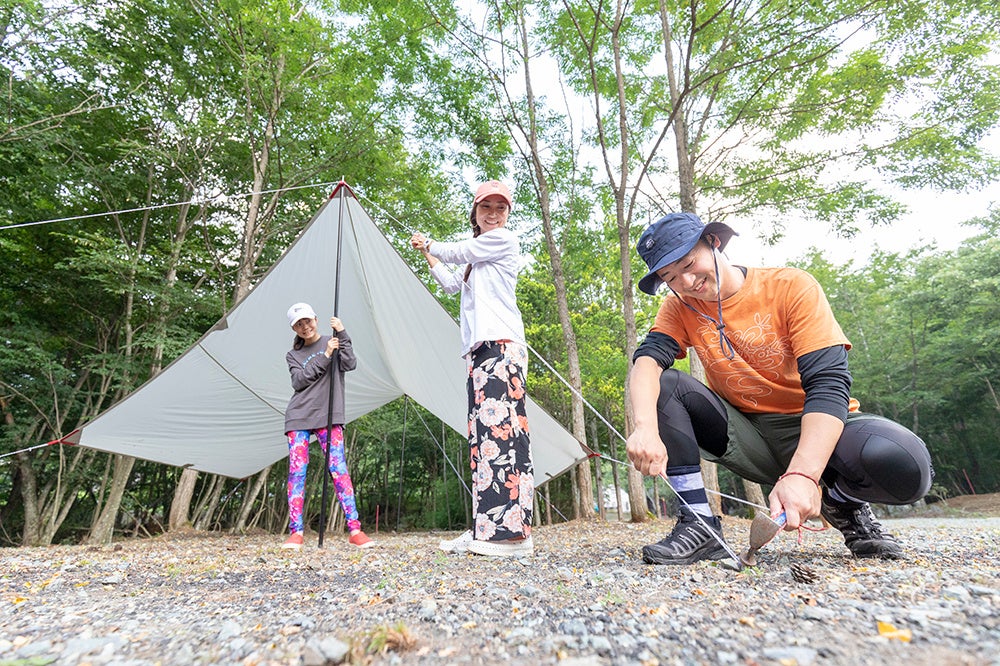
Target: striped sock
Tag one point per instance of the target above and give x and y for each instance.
(687, 482)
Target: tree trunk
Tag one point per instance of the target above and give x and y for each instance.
(32, 534)
(548, 507)
(614, 474)
(598, 472)
(601, 511)
(754, 493)
(583, 488)
(637, 495)
(575, 491)
(249, 500)
(710, 472)
(104, 528)
(206, 516)
(101, 492)
(180, 506)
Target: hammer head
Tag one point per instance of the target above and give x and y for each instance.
(762, 530)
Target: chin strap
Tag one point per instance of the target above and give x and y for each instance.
(725, 344)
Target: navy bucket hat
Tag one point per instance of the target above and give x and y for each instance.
(670, 238)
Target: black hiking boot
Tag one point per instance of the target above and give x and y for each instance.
(689, 542)
(863, 534)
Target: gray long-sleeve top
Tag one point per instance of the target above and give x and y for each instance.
(308, 408)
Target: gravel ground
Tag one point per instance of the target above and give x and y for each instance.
(584, 598)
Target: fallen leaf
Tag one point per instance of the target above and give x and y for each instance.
(887, 630)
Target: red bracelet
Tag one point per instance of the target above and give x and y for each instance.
(798, 474)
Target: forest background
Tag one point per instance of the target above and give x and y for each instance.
(156, 158)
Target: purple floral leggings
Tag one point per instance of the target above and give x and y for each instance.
(298, 462)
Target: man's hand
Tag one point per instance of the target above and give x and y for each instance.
(646, 451)
(798, 497)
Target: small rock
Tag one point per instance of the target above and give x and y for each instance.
(956, 592)
(229, 630)
(600, 644)
(520, 636)
(319, 652)
(800, 656)
(818, 614)
(573, 628)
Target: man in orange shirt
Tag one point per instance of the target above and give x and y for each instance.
(777, 409)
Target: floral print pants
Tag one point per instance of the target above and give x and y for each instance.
(298, 462)
(503, 486)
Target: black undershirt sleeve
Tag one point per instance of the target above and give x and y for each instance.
(660, 347)
(826, 381)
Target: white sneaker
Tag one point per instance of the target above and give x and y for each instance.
(459, 545)
(522, 548)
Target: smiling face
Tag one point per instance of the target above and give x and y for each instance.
(693, 275)
(492, 212)
(307, 328)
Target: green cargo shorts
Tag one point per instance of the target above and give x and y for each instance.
(761, 445)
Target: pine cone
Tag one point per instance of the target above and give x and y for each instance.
(803, 574)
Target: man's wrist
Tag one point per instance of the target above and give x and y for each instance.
(802, 474)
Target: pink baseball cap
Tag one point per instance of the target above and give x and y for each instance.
(490, 188)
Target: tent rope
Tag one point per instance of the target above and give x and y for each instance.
(441, 447)
(190, 202)
(30, 448)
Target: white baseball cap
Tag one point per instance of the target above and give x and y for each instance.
(300, 311)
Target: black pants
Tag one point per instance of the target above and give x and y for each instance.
(875, 460)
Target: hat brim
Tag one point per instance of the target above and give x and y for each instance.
(651, 280)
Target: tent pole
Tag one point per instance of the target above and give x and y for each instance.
(334, 365)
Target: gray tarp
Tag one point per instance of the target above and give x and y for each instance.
(219, 408)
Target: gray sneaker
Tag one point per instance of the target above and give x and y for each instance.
(689, 542)
(863, 534)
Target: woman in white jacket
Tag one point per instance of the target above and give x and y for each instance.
(494, 347)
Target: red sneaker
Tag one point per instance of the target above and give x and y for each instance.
(361, 540)
(293, 542)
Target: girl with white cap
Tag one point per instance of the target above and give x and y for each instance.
(310, 362)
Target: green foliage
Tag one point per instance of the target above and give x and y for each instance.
(923, 351)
